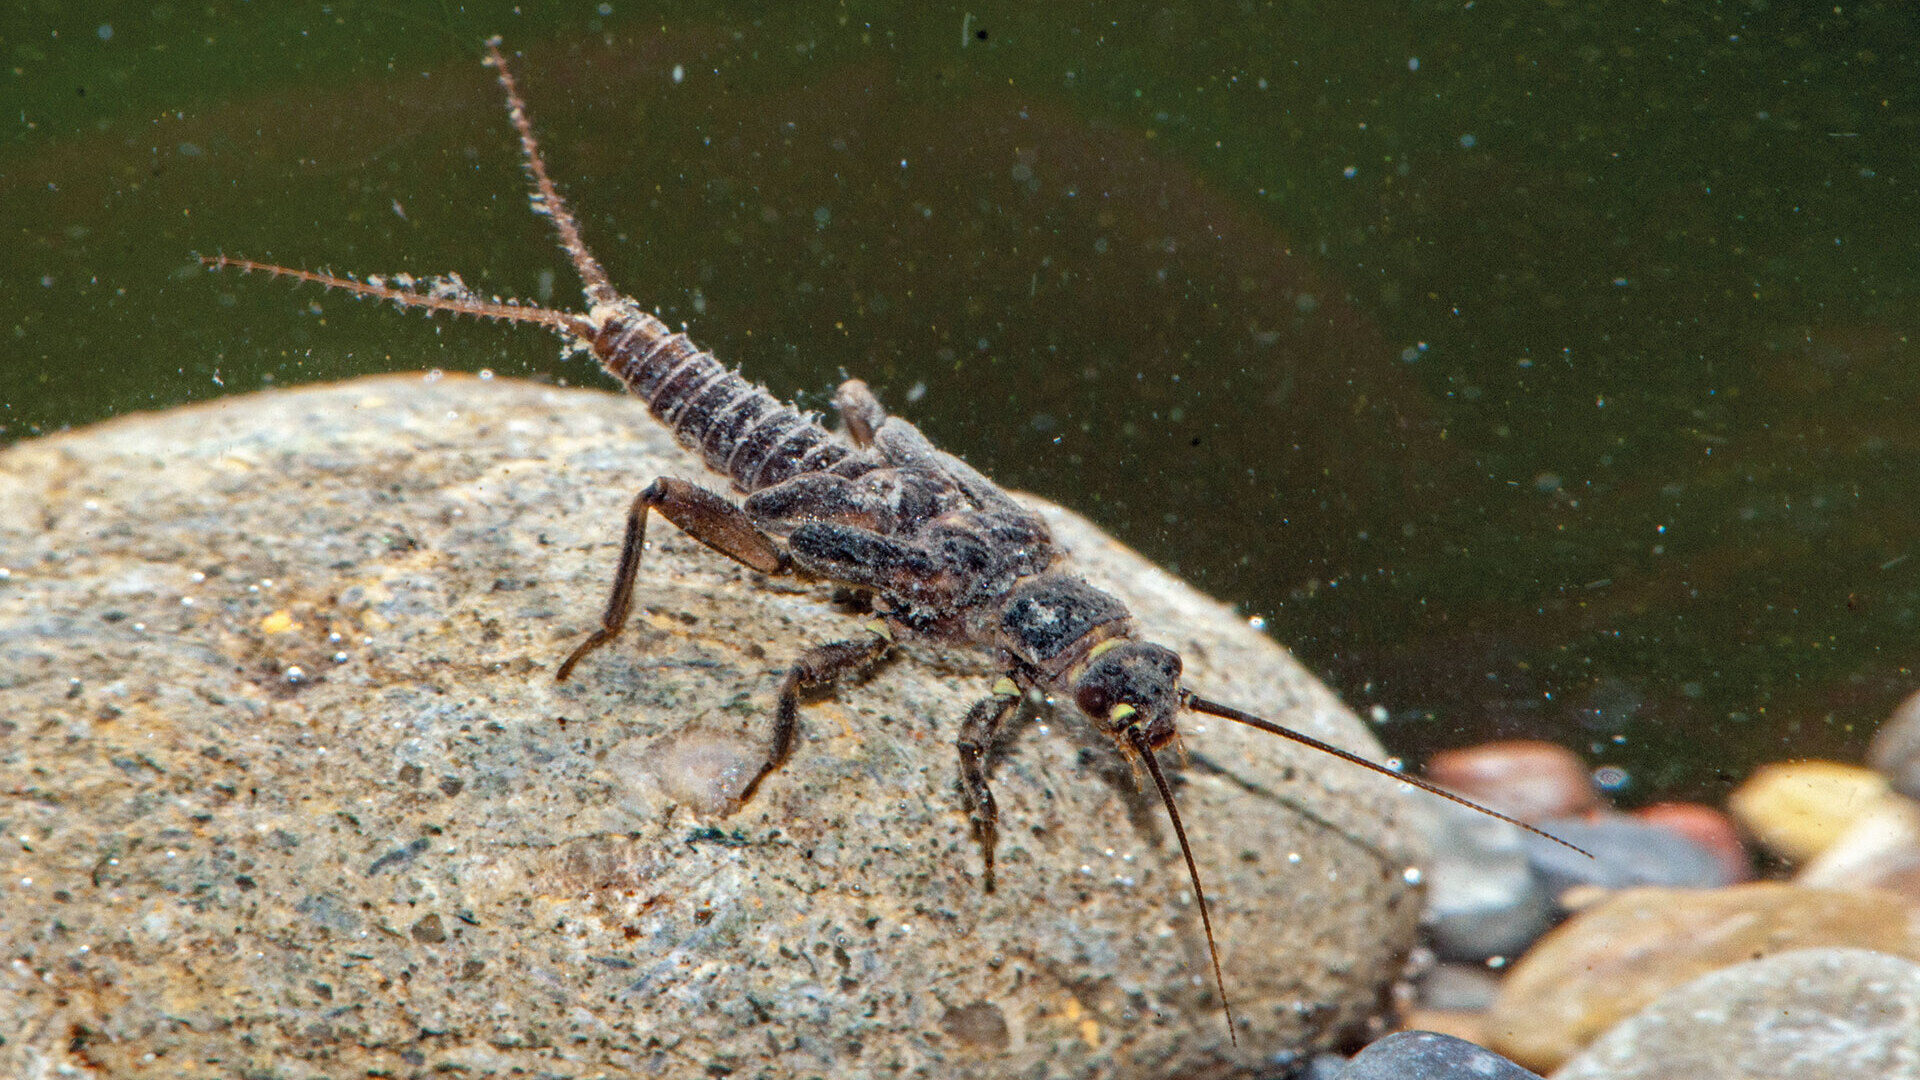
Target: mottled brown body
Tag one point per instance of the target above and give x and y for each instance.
(942, 551)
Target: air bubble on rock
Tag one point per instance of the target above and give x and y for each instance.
(294, 673)
(340, 658)
(486, 373)
(433, 376)
(1412, 875)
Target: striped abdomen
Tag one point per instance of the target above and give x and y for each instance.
(748, 435)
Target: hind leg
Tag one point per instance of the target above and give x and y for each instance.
(701, 514)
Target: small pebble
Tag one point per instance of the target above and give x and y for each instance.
(1483, 899)
(1895, 752)
(1880, 851)
(1429, 1055)
(1520, 778)
(1625, 852)
(1708, 827)
(1796, 809)
(1459, 988)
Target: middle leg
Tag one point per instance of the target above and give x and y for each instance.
(818, 666)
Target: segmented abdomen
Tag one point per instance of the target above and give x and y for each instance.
(744, 433)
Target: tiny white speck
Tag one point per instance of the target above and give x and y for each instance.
(1293, 858)
(1412, 875)
(679, 74)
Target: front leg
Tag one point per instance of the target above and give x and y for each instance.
(977, 733)
(701, 514)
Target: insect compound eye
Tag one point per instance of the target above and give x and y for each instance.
(1132, 683)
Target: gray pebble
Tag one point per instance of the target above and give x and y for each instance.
(1428, 1055)
(1626, 852)
(1483, 899)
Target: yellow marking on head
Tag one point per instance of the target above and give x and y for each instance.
(1121, 712)
(880, 630)
(1110, 643)
(1006, 688)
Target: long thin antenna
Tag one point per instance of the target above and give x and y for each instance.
(546, 197)
(1227, 712)
(563, 321)
(1141, 746)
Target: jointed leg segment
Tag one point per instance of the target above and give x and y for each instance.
(977, 733)
(818, 666)
(699, 513)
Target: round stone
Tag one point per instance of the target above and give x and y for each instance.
(292, 786)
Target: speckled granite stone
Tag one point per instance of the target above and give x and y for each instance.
(289, 790)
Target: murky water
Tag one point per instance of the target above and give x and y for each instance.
(1539, 371)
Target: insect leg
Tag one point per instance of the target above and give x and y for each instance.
(859, 410)
(699, 513)
(977, 733)
(818, 666)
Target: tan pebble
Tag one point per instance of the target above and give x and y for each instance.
(1797, 809)
(1608, 962)
(1470, 1026)
(1523, 778)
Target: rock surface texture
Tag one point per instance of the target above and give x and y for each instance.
(290, 790)
(1611, 960)
(1817, 1014)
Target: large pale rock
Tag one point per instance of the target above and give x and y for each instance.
(1817, 1014)
(1612, 959)
(290, 790)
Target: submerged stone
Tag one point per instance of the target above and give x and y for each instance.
(422, 855)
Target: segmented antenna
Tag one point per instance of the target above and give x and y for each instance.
(1227, 712)
(1141, 746)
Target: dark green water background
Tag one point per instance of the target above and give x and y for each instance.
(1536, 369)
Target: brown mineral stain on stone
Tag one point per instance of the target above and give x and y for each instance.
(426, 825)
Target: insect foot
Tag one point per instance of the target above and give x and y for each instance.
(290, 698)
